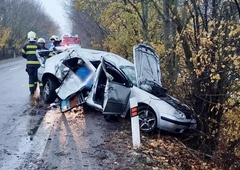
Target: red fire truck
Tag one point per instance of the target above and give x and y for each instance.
(70, 40)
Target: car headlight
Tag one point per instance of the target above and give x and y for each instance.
(180, 115)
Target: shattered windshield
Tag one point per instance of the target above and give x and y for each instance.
(130, 73)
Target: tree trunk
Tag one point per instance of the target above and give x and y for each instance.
(144, 4)
(171, 60)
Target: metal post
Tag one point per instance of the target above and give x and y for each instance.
(135, 122)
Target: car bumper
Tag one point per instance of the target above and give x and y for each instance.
(177, 125)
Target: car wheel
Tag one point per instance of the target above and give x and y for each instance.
(49, 87)
(147, 119)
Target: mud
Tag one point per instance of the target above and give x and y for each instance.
(80, 139)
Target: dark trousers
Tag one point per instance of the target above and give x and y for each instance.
(33, 79)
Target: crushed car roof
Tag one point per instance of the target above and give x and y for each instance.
(96, 55)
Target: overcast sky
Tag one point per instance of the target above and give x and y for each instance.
(56, 10)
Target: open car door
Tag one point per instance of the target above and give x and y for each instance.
(147, 66)
(117, 89)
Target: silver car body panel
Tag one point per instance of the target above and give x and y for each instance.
(116, 94)
(71, 83)
(115, 98)
(50, 65)
(163, 109)
(147, 66)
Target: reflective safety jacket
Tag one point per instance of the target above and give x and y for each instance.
(29, 53)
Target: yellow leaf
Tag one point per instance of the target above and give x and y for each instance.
(212, 70)
(216, 77)
(236, 62)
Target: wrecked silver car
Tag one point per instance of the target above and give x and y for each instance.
(106, 81)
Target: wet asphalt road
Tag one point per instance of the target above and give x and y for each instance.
(13, 87)
(69, 141)
(13, 101)
(15, 105)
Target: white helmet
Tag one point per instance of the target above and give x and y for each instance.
(41, 40)
(55, 38)
(32, 36)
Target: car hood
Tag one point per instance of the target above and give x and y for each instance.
(146, 63)
(178, 105)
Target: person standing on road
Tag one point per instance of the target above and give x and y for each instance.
(41, 43)
(29, 53)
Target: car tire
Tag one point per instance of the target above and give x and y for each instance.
(49, 87)
(147, 119)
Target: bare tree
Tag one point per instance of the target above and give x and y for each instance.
(21, 17)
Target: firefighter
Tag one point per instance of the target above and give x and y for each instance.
(41, 42)
(29, 53)
(55, 42)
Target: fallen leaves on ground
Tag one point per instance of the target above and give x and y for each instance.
(157, 152)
